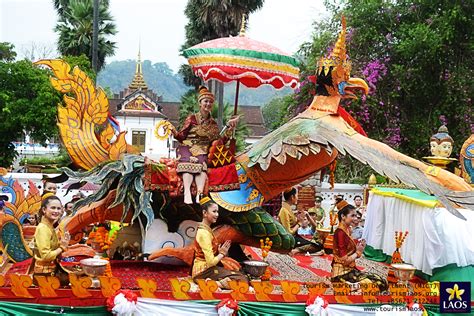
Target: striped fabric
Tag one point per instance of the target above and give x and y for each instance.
(240, 58)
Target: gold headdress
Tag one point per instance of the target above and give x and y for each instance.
(205, 200)
(337, 58)
(46, 195)
(205, 93)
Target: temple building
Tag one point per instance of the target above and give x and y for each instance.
(138, 109)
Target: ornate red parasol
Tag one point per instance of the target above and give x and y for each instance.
(244, 60)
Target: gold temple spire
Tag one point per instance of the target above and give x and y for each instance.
(138, 81)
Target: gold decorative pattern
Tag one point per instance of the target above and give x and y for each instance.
(162, 130)
(148, 287)
(179, 288)
(235, 207)
(85, 108)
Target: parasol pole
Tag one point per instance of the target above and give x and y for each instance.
(237, 87)
(236, 96)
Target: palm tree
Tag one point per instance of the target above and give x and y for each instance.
(225, 16)
(62, 6)
(210, 19)
(75, 28)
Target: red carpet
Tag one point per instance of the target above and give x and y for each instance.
(126, 271)
(300, 268)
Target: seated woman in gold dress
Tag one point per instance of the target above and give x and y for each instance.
(346, 251)
(208, 255)
(48, 248)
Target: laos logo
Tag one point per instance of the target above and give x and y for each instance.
(455, 297)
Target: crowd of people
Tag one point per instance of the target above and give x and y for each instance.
(348, 244)
(304, 224)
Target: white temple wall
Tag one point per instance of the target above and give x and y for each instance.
(154, 148)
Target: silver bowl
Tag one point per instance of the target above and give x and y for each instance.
(94, 267)
(255, 268)
(403, 271)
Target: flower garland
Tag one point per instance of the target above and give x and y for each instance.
(123, 303)
(266, 246)
(227, 307)
(102, 237)
(399, 240)
(316, 306)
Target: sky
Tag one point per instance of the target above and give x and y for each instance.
(156, 25)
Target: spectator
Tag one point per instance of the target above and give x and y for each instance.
(357, 229)
(305, 229)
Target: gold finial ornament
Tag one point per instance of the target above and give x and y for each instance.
(338, 57)
(242, 26)
(204, 200)
(339, 50)
(372, 180)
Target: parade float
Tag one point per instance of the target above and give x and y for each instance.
(147, 197)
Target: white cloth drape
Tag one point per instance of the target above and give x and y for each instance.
(435, 238)
(158, 307)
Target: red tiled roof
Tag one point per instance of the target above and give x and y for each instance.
(253, 114)
(171, 110)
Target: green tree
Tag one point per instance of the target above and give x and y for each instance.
(210, 19)
(417, 57)
(75, 28)
(190, 105)
(27, 105)
(6, 52)
(28, 102)
(276, 112)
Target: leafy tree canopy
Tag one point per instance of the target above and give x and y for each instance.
(28, 103)
(417, 57)
(6, 52)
